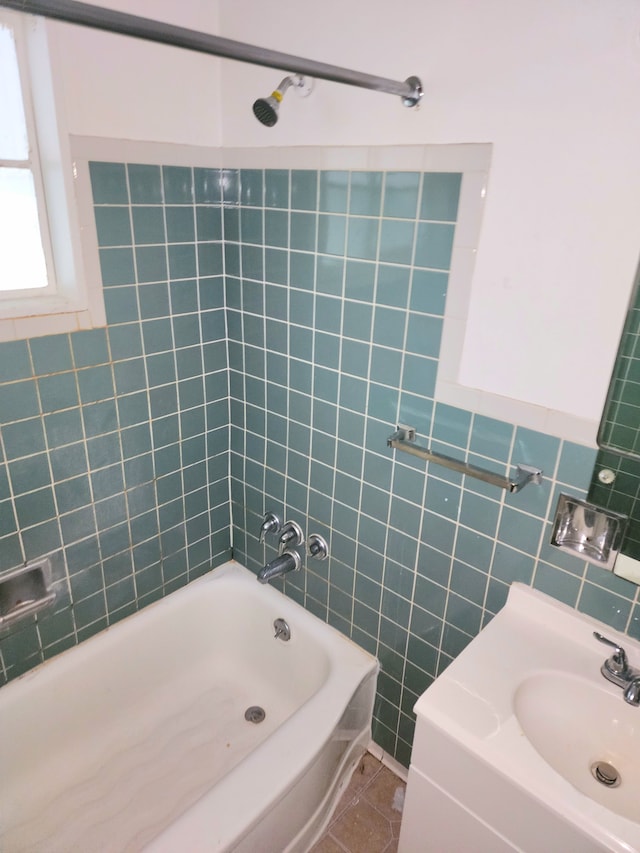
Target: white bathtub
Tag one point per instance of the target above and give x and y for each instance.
(137, 739)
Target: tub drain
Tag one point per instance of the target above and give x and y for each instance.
(606, 774)
(255, 714)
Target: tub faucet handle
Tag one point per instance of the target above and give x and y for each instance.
(291, 536)
(317, 547)
(270, 524)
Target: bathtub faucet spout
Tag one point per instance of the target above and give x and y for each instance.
(288, 561)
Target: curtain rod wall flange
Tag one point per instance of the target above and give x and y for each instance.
(110, 20)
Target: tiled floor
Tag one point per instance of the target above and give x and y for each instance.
(367, 818)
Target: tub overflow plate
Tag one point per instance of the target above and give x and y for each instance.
(255, 714)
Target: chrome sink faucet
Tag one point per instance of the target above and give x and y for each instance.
(617, 670)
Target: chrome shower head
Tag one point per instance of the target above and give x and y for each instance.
(266, 109)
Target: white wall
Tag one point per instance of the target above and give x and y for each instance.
(553, 85)
(125, 88)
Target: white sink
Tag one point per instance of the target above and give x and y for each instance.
(511, 729)
(577, 727)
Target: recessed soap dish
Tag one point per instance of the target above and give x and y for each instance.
(25, 591)
(588, 531)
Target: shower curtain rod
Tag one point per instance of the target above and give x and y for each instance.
(97, 17)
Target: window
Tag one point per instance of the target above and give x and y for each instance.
(22, 255)
(43, 286)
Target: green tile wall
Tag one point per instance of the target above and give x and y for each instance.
(114, 452)
(292, 318)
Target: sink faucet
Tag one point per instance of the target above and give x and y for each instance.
(288, 561)
(616, 669)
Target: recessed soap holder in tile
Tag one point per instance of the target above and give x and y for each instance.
(25, 591)
(588, 531)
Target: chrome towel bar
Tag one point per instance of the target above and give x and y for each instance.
(404, 438)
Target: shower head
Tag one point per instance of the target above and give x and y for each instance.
(266, 109)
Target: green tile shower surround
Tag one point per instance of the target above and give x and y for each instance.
(276, 325)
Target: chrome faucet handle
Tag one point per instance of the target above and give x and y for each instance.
(270, 524)
(632, 692)
(317, 547)
(291, 536)
(617, 664)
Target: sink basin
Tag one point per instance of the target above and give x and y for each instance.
(512, 728)
(578, 727)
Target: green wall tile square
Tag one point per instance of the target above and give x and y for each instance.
(209, 223)
(362, 240)
(73, 494)
(18, 400)
(68, 461)
(304, 189)
(100, 418)
(479, 513)
(334, 191)
(440, 193)
(109, 183)
(230, 180)
(419, 375)
(23, 438)
(207, 184)
(181, 227)
(50, 354)
(303, 227)
(396, 241)
(434, 243)
(366, 193)
(401, 194)
(389, 327)
(276, 188)
(125, 341)
(392, 287)
(145, 183)
(151, 263)
(332, 234)
(575, 465)
(89, 347)
(428, 291)
(41, 539)
(148, 225)
(182, 261)
(359, 281)
(113, 225)
(14, 361)
(121, 304)
(59, 391)
(251, 187)
(178, 184)
(154, 300)
(117, 267)
(95, 383)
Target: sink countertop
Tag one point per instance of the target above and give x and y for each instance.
(472, 701)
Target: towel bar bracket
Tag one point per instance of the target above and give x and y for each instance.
(404, 438)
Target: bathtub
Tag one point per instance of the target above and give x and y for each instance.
(137, 738)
